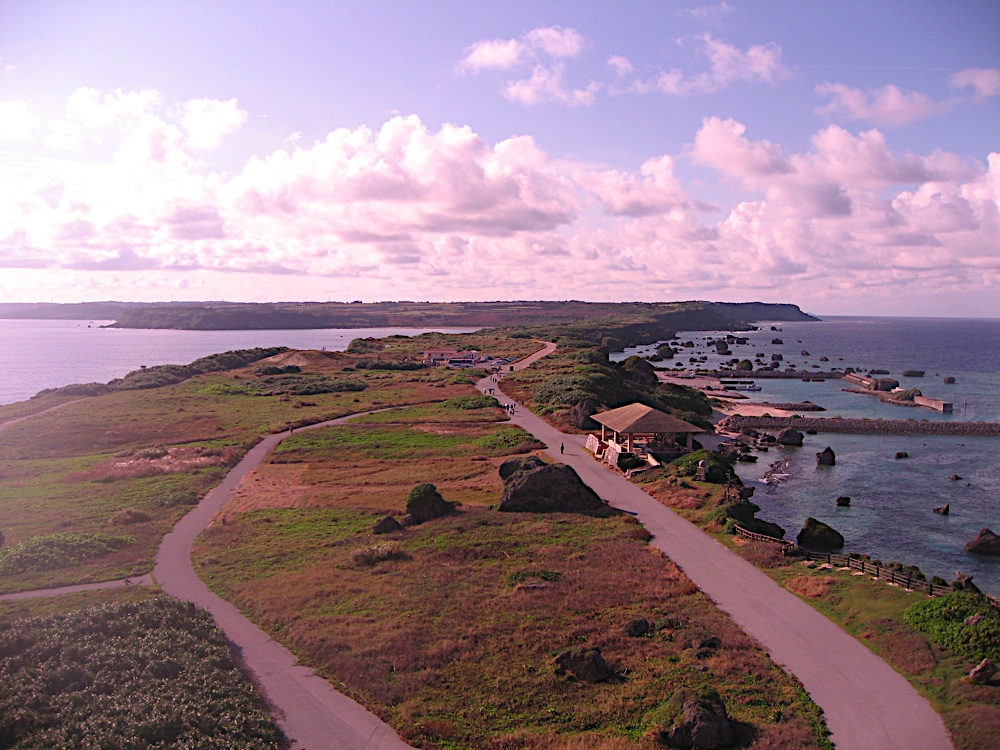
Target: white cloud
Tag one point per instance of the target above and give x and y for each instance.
(727, 65)
(621, 65)
(545, 50)
(398, 210)
(888, 106)
(984, 81)
(17, 123)
(494, 53)
(209, 121)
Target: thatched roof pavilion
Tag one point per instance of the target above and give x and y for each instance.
(646, 423)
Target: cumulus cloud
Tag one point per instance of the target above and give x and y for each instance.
(401, 209)
(17, 123)
(888, 106)
(727, 65)
(209, 121)
(985, 82)
(544, 50)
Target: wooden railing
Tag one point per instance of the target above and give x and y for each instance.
(880, 572)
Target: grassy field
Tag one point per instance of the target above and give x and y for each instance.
(129, 464)
(870, 610)
(449, 630)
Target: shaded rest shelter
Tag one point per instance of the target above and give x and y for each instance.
(638, 424)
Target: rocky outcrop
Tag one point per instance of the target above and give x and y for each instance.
(425, 504)
(859, 426)
(902, 454)
(522, 463)
(826, 457)
(943, 509)
(549, 488)
(640, 372)
(949, 380)
(818, 535)
(586, 664)
(985, 543)
(790, 436)
(704, 725)
(387, 525)
(580, 415)
(963, 582)
(638, 627)
(843, 502)
(983, 672)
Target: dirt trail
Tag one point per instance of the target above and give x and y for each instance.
(865, 702)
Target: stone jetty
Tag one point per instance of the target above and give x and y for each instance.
(861, 426)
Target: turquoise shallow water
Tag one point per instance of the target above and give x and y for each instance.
(891, 514)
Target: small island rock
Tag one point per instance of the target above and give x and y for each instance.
(986, 543)
(902, 454)
(817, 535)
(943, 510)
(827, 457)
(790, 436)
(843, 502)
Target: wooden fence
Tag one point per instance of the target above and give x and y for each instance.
(881, 572)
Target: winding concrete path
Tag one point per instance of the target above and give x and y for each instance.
(311, 713)
(866, 704)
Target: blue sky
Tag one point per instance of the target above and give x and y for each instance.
(835, 155)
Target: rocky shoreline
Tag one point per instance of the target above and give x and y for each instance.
(861, 426)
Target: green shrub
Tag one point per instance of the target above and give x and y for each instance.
(146, 674)
(943, 620)
(520, 576)
(54, 551)
(471, 402)
(628, 461)
(719, 471)
(507, 439)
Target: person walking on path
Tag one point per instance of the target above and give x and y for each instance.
(562, 448)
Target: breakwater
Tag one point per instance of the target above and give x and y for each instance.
(862, 426)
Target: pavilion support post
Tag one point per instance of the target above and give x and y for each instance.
(690, 441)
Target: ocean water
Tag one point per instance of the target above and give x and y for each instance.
(38, 354)
(891, 514)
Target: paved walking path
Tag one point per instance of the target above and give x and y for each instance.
(60, 590)
(311, 712)
(866, 704)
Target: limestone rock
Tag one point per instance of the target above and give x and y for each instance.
(843, 502)
(827, 457)
(585, 664)
(902, 454)
(640, 372)
(509, 467)
(955, 478)
(818, 535)
(943, 509)
(425, 504)
(550, 488)
(983, 672)
(949, 380)
(985, 543)
(963, 582)
(790, 436)
(973, 620)
(705, 726)
(638, 627)
(387, 525)
(581, 413)
(913, 374)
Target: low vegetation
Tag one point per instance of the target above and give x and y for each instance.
(154, 673)
(926, 640)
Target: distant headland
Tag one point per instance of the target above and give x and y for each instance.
(641, 320)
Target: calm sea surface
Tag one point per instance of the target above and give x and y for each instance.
(891, 514)
(37, 354)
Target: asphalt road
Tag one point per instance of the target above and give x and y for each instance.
(866, 704)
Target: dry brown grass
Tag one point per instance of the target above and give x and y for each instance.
(812, 587)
